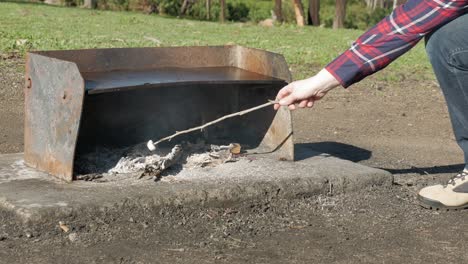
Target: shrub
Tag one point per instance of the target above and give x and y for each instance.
(168, 7)
(198, 11)
(358, 16)
(260, 10)
(238, 11)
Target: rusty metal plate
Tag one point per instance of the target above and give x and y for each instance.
(53, 102)
(278, 139)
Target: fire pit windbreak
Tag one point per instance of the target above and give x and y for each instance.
(79, 101)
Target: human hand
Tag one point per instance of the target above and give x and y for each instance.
(305, 92)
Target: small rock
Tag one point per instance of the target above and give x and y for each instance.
(21, 42)
(73, 237)
(64, 227)
(131, 220)
(28, 234)
(202, 244)
(267, 23)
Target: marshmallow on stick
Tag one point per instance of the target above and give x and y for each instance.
(152, 145)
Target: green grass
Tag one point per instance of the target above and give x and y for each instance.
(41, 27)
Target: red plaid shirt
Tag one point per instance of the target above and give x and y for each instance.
(393, 36)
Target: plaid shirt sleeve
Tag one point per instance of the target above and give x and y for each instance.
(393, 36)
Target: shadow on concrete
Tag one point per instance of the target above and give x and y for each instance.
(335, 149)
(356, 154)
(453, 168)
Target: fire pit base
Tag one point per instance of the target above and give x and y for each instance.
(36, 197)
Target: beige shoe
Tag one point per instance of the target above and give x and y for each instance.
(453, 195)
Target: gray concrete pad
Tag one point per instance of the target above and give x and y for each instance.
(35, 196)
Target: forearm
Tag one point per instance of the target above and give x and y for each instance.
(392, 37)
(326, 80)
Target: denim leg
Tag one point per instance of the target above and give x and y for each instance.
(447, 48)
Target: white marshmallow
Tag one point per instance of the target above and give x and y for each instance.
(151, 145)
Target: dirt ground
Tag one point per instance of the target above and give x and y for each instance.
(402, 128)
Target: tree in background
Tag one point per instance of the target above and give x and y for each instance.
(208, 9)
(289, 11)
(279, 10)
(398, 2)
(299, 11)
(185, 5)
(340, 14)
(222, 14)
(314, 11)
(90, 4)
(374, 4)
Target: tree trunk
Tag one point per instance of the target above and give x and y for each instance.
(340, 14)
(279, 10)
(368, 2)
(371, 4)
(208, 9)
(314, 10)
(299, 10)
(90, 4)
(222, 15)
(374, 4)
(184, 7)
(380, 4)
(53, 2)
(397, 3)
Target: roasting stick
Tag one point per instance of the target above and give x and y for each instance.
(152, 145)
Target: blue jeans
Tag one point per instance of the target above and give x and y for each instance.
(447, 48)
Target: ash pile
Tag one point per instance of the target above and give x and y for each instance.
(138, 162)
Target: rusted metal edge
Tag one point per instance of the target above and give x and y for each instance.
(261, 62)
(279, 136)
(54, 94)
(251, 59)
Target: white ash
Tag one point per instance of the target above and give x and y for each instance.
(217, 155)
(151, 163)
(138, 161)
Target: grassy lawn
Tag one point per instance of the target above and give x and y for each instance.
(41, 27)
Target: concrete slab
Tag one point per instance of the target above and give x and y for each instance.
(35, 196)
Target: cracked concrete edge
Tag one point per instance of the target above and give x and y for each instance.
(209, 196)
(310, 177)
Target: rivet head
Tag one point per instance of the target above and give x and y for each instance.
(28, 83)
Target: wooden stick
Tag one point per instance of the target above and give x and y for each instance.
(152, 145)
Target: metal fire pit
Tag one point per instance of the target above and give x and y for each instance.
(79, 100)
